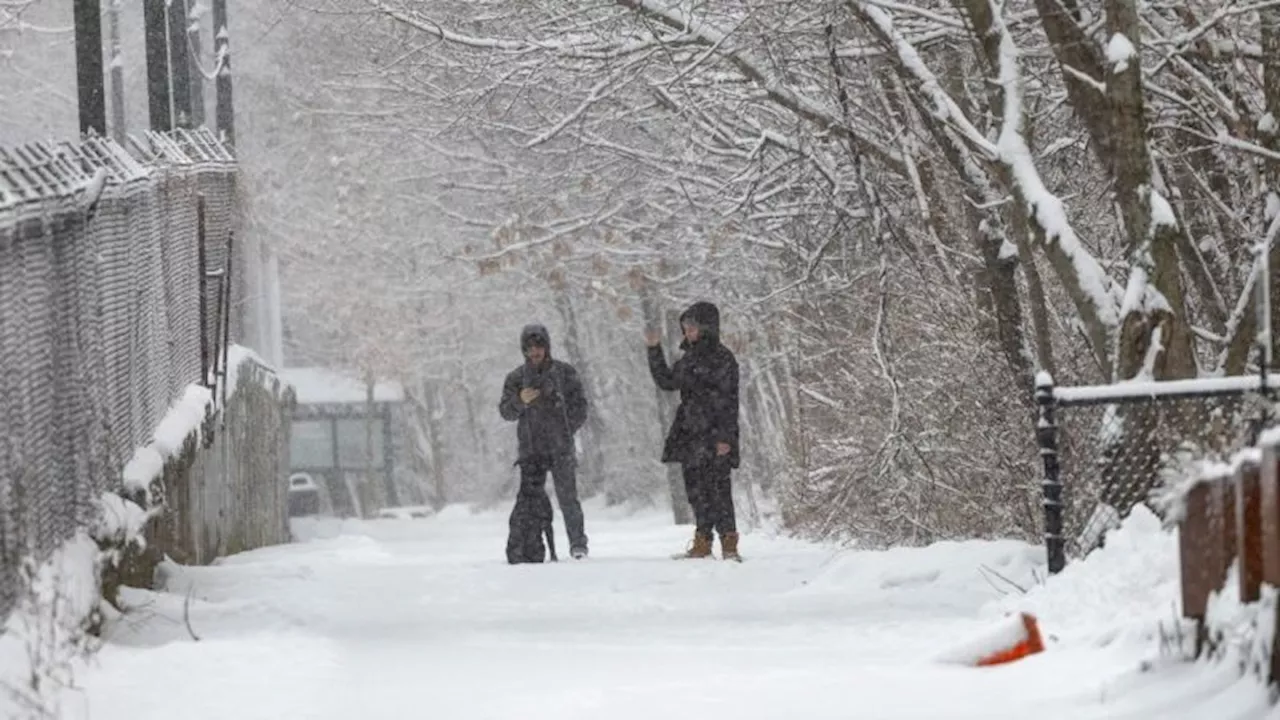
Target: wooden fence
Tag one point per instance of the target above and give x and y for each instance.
(1232, 513)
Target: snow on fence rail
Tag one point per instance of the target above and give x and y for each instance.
(1106, 448)
(117, 285)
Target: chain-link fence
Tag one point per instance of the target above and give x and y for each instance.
(101, 287)
(1108, 448)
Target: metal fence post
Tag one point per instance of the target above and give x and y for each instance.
(1051, 487)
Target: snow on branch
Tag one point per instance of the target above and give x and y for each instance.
(1093, 289)
(945, 108)
(755, 71)
(1048, 210)
(1225, 139)
(435, 29)
(597, 93)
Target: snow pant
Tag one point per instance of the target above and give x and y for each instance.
(563, 469)
(710, 491)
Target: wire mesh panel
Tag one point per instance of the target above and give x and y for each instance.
(1117, 445)
(99, 319)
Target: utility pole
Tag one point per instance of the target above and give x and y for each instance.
(118, 129)
(158, 96)
(195, 73)
(224, 116)
(89, 85)
(179, 63)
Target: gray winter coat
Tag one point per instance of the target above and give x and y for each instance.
(544, 428)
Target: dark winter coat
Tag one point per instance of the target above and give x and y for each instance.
(707, 378)
(546, 426)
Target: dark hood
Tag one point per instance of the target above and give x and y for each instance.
(707, 317)
(531, 333)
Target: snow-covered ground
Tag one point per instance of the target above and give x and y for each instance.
(406, 618)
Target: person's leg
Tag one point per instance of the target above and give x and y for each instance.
(695, 489)
(564, 475)
(719, 483)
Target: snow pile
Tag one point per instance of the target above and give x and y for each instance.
(120, 524)
(964, 575)
(1122, 592)
(1241, 632)
(185, 417)
(44, 643)
(237, 356)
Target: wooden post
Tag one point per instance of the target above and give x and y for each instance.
(1222, 531)
(1248, 508)
(1193, 542)
(1270, 501)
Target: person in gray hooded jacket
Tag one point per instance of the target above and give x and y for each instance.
(545, 398)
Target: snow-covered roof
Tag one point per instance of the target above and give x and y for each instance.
(318, 385)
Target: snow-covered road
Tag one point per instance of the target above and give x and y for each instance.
(423, 618)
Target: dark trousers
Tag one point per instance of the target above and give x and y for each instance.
(564, 473)
(710, 491)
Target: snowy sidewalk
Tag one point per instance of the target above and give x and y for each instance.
(423, 618)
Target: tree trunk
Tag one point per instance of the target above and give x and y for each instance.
(681, 513)
(591, 437)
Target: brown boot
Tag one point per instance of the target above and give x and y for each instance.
(699, 548)
(729, 547)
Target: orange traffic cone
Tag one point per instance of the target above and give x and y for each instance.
(1014, 638)
(1030, 644)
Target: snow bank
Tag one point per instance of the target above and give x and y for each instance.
(185, 417)
(43, 643)
(120, 522)
(966, 575)
(1123, 591)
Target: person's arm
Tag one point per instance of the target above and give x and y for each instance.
(510, 406)
(662, 374)
(575, 399)
(724, 403)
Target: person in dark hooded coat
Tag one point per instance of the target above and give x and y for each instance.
(704, 434)
(545, 398)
